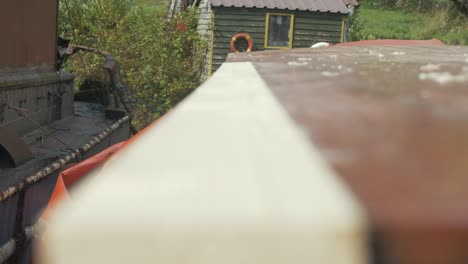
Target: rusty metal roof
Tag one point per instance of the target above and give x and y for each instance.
(393, 122)
(333, 6)
(31, 35)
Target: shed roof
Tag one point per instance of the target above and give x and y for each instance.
(351, 2)
(333, 6)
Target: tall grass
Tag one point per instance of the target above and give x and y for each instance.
(376, 22)
(159, 4)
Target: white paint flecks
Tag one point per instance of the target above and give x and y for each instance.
(430, 67)
(330, 74)
(297, 64)
(444, 77)
(376, 53)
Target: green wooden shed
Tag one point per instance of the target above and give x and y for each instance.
(271, 24)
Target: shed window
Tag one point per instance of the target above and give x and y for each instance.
(279, 31)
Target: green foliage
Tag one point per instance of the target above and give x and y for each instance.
(161, 58)
(157, 3)
(373, 21)
(409, 5)
(461, 5)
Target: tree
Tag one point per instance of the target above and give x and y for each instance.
(461, 5)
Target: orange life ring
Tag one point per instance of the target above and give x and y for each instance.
(244, 36)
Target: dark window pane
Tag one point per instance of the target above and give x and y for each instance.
(278, 32)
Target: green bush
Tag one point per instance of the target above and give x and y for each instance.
(161, 58)
(461, 6)
(410, 5)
